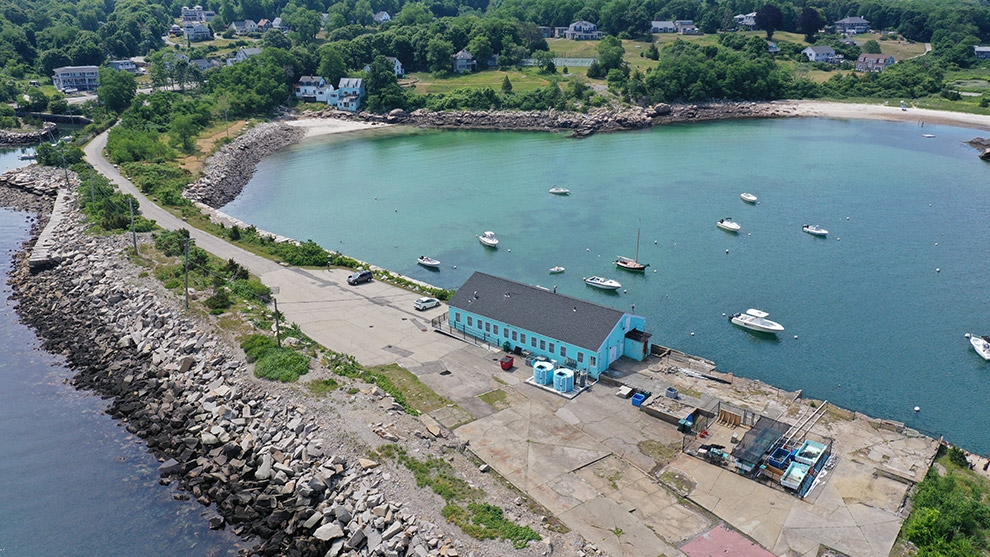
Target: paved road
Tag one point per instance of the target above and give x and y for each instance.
(332, 313)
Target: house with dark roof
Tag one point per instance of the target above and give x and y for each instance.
(464, 62)
(196, 31)
(244, 27)
(381, 17)
(852, 25)
(582, 31)
(662, 27)
(243, 54)
(874, 62)
(686, 27)
(76, 78)
(981, 52)
(579, 334)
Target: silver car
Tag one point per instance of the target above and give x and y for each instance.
(424, 304)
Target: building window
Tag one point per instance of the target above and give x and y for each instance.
(563, 351)
(457, 317)
(514, 335)
(533, 341)
(592, 361)
(495, 329)
(470, 321)
(543, 345)
(505, 333)
(488, 327)
(522, 338)
(551, 348)
(580, 357)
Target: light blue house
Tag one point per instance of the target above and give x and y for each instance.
(349, 94)
(576, 333)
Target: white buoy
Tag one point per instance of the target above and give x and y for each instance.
(967, 335)
(654, 242)
(929, 204)
(455, 266)
(723, 314)
(625, 291)
(936, 243)
(692, 334)
(587, 249)
(654, 270)
(847, 218)
(795, 336)
(838, 239)
(749, 233)
(917, 409)
(509, 250)
(938, 269)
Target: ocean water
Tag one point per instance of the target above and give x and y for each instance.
(72, 480)
(878, 329)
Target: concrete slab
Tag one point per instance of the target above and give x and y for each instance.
(722, 541)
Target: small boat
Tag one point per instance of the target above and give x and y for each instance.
(27, 156)
(928, 135)
(981, 344)
(748, 197)
(488, 239)
(557, 269)
(603, 283)
(727, 225)
(428, 262)
(632, 264)
(559, 191)
(814, 230)
(756, 320)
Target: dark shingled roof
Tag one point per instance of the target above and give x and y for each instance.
(557, 316)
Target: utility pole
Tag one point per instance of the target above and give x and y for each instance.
(64, 167)
(130, 205)
(187, 272)
(92, 187)
(278, 331)
(226, 123)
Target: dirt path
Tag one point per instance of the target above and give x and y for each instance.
(204, 145)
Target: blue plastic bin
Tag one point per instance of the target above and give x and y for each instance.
(638, 398)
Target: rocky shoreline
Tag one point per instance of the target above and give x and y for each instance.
(47, 132)
(230, 168)
(579, 124)
(262, 465)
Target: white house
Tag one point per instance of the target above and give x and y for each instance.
(396, 66)
(663, 27)
(582, 31)
(686, 27)
(823, 54)
(381, 17)
(76, 78)
(197, 13)
(196, 31)
(124, 66)
(464, 62)
(244, 27)
(745, 21)
(242, 55)
(852, 25)
(312, 88)
(982, 52)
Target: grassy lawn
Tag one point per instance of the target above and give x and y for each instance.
(418, 395)
(524, 79)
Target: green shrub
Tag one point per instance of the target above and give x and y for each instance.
(958, 457)
(281, 364)
(309, 253)
(251, 290)
(172, 242)
(256, 346)
(131, 145)
(219, 300)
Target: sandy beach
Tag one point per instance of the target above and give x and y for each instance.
(315, 127)
(821, 109)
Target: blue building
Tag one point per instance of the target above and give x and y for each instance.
(576, 333)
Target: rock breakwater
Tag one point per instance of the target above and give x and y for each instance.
(580, 124)
(232, 166)
(29, 137)
(258, 461)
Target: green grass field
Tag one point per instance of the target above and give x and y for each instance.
(523, 79)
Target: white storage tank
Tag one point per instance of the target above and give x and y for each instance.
(563, 380)
(543, 373)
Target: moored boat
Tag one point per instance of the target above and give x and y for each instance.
(814, 230)
(728, 225)
(748, 197)
(557, 269)
(982, 345)
(488, 239)
(27, 156)
(603, 283)
(631, 264)
(559, 191)
(756, 320)
(428, 262)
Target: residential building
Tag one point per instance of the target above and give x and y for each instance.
(396, 66)
(579, 334)
(545, 32)
(242, 55)
(381, 17)
(197, 31)
(823, 54)
(174, 31)
(205, 63)
(264, 25)
(852, 26)
(746, 21)
(874, 62)
(76, 78)
(663, 27)
(464, 62)
(772, 47)
(124, 66)
(686, 27)
(582, 31)
(982, 52)
(244, 27)
(277, 24)
(311, 88)
(196, 13)
(559, 32)
(350, 92)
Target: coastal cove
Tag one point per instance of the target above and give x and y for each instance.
(879, 331)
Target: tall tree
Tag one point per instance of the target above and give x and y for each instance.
(116, 89)
(769, 18)
(384, 92)
(332, 64)
(810, 22)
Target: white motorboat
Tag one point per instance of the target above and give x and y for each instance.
(603, 283)
(981, 344)
(488, 239)
(557, 269)
(428, 262)
(814, 230)
(728, 225)
(559, 191)
(748, 197)
(928, 135)
(756, 320)
(27, 156)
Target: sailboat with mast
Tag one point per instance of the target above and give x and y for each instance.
(632, 264)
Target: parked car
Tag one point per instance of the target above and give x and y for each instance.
(359, 277)
(424, 304)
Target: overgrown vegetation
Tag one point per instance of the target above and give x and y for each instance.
(950, 514)
(465, 506)
(346, 366)
(104, 206)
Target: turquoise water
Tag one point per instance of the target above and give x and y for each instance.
(72, 481)
(879, 330)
